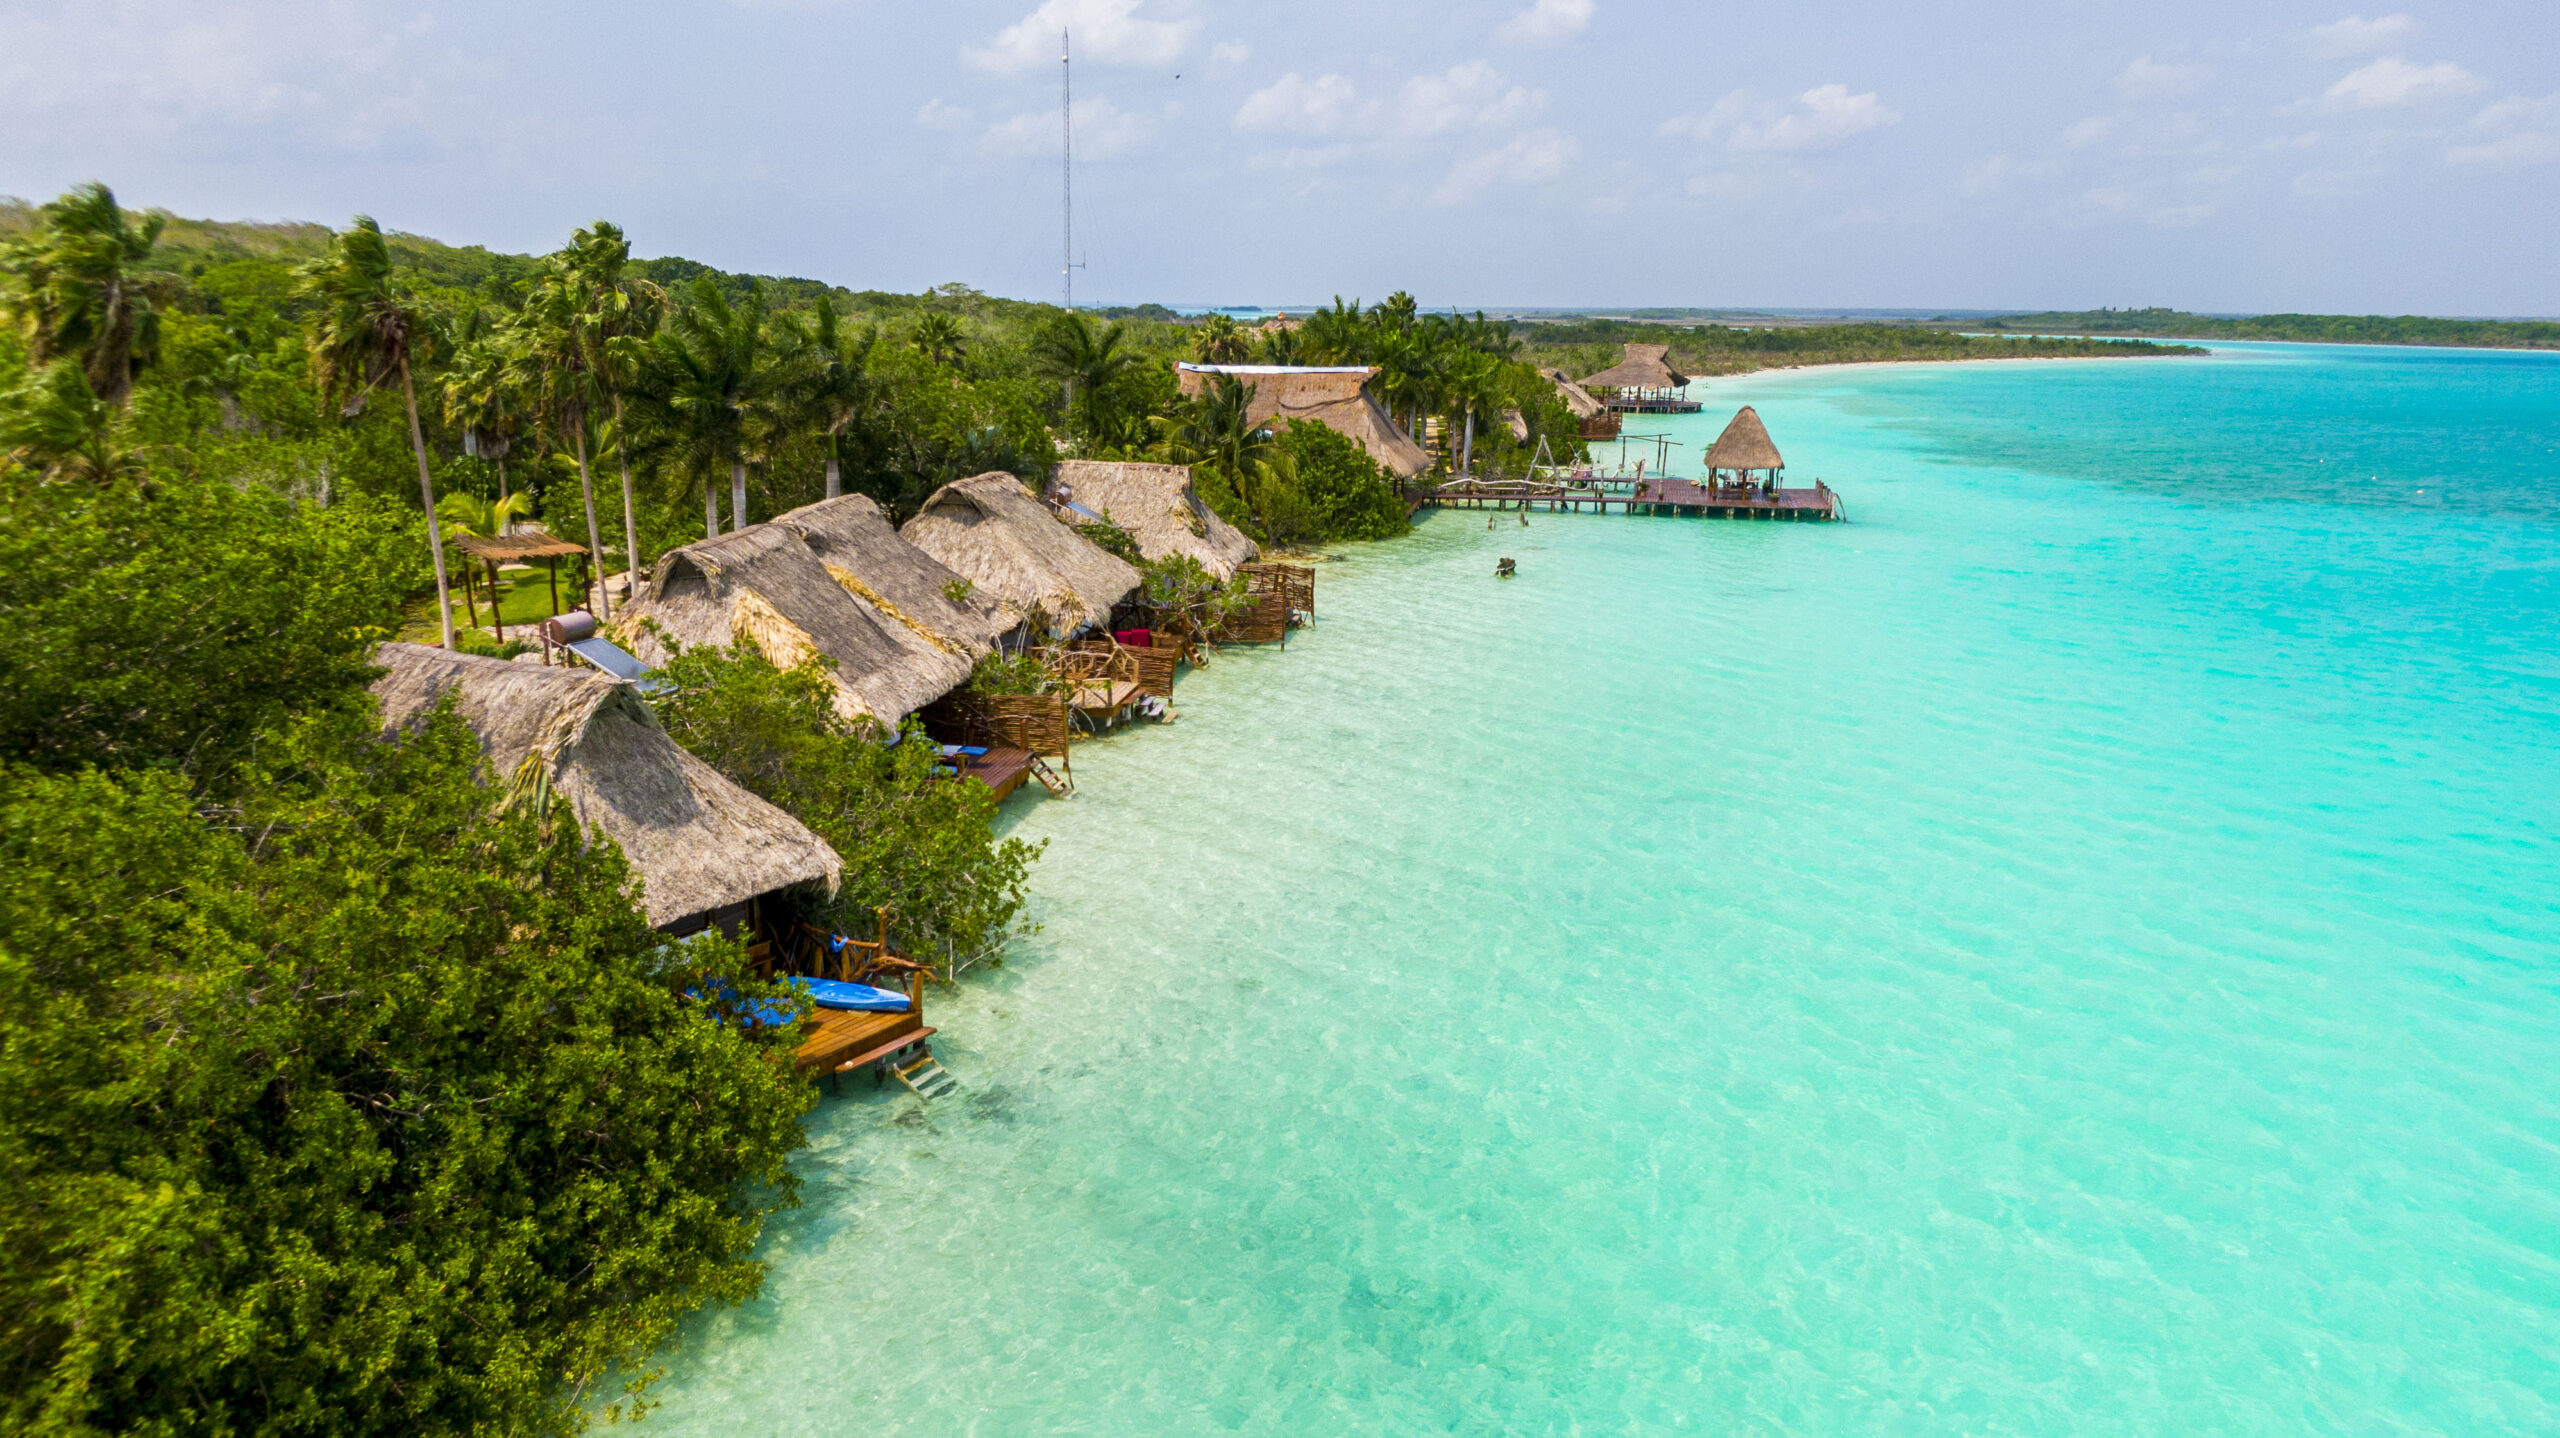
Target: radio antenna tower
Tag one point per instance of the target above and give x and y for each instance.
(1066, 171)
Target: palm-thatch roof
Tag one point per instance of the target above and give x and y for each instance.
(1581, 401)
(1517, 423)
(697, 841)
(1335, 396)
(862, 551)
(1161, 510)
(766, 584)
(991, 532)
(1643, 367)
(1745, 444)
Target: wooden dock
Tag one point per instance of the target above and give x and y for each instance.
(1681, 497)
(837, 1040)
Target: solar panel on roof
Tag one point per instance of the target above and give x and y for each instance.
(609, 657)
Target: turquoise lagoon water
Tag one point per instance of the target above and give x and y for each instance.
(2073, 951)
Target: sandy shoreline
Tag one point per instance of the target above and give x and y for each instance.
(1828, 369)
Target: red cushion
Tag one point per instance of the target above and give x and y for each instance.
(1135, 638)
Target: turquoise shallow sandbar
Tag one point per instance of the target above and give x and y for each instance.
(2071, 951)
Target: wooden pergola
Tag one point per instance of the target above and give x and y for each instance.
(520, 549)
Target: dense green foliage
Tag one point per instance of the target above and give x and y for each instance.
(361, 1108)
(2303, 329)
(1341, 492)
(1587, 346)
(920, 846)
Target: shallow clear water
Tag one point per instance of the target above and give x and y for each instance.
(2073, 951)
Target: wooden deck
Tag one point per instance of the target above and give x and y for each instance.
(1002, 770)
(1652, 496)
(836, 1038)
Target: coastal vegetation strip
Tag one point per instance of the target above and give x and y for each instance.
(1586, 346)
(2299, 329)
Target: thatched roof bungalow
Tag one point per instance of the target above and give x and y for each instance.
(1642, 368)
(1581, 401)
(766, 583)
(1159, 507)
(990, 531)
(1744, 446)
(1335, 396)
(861, 550)
(699, 843)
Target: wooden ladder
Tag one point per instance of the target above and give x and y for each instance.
(929, 1079)
(1064, 786)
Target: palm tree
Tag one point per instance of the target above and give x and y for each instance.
(483, 394)
(1340, 334)
(709, 383)
(54, 424)
(555, 341)
(627, 312)
(364, 328)
(1473, 385)
(1214, 427)
(77, 289)
(938, 338)
(1091, 364)
(1407, 374)
(832, 381)
(1220, 340)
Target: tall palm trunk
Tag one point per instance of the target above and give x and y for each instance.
(737, 495)
(427, 492)
(595, 537)
(1467, 445)
(630, 509)
(710, 509)
(835, 474)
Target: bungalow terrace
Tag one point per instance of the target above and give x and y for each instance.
(1159, 507)
(766, 584)
(1335, 396)
(706, 851)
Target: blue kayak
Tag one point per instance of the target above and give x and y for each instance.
(863, 998)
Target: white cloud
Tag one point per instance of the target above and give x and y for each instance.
(2091, 131)
(1102, 131)
(1230, 52)
(1108, 32)
(1531, 159)
(2356, 35)
(1467, 96)
(2512, 132)
(935, 115)
(2393, 81)
(2149, 79)
(1547, 22)
(1822, 117)
(1294, 104)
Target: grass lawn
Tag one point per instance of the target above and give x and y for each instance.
(524, 599)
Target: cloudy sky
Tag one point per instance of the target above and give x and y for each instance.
(1965, 153)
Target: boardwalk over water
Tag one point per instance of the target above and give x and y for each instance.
(1650, 496)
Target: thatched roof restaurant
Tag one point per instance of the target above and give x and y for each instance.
(699, 843)
(1642, 368)
(1335, 396)
(990, 531)
(766, 583)
(1160, 508)
(1744, 446)
(861, 550)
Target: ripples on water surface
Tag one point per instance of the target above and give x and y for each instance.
(2070, 952)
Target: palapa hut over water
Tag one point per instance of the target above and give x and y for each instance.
(1335, 396)
(1159, 507)
(766, 584)
(990, 531)
(702, 847)
(1743, 448)
(861, 551)
(1642, 381)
